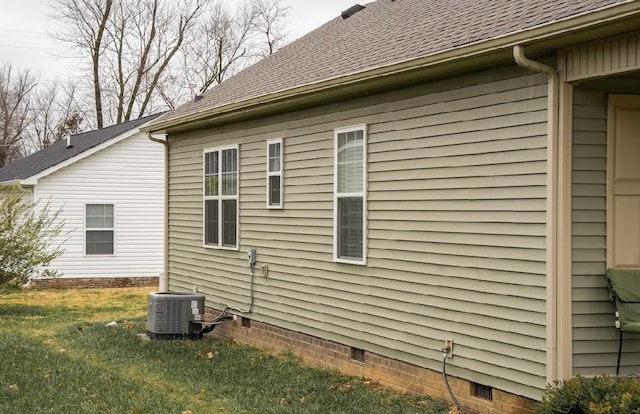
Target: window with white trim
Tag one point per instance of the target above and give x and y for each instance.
(220, 193)
(99, 229)
(274, 173)
(350, 241)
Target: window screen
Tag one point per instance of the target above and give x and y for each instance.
(99, 229)
(350, 195)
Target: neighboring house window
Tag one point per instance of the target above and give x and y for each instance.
(221, 197)
(99, 229)
(350, 195)
(274, 173)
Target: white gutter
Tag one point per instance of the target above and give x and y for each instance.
(551, 205)
(163, 282)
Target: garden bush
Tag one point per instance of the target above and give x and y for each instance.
(27, 238)
(597, 395)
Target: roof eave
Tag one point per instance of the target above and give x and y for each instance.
(16, 181)
(562, 32)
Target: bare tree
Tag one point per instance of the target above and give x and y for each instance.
(148, 35)
(214, 49)
(223, 43)
(149, 54)
(130, 44)
(270, 22)
(56, 113)
(15, 95)
(82, 24)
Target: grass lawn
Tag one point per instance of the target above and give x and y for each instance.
(57, 356)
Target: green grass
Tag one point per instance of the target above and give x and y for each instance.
(57, 356)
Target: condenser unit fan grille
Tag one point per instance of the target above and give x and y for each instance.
(169, 313)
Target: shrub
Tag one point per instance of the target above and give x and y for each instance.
(597, 395)
(26, 238)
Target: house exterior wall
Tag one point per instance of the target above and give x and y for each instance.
(595, 338)
(456, 226)
(128, 174)
(593, 348)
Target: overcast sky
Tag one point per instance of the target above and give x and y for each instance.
(24, 42)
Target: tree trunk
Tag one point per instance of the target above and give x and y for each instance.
(97, 89)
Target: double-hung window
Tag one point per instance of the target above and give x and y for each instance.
(350, 201)
(221, 197)
(274, 173)
(99, 229)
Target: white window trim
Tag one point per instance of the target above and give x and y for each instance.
(275, 173)
(336, 258)
(221, 197)
(84, 232)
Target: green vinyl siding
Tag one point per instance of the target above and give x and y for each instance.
(456, 226)
(589, 236)
(595, 338)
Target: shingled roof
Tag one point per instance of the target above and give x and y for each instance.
(384, 32)
(57, 153)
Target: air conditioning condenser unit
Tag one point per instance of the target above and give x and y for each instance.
(171, 314)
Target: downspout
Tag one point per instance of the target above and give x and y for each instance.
(551, 206)
(163, 285)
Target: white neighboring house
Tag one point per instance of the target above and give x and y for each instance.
(109, 185)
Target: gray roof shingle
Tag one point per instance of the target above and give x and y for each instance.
(37, 162)
(383, 33)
